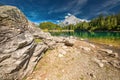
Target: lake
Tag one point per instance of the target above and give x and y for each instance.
(109, 38)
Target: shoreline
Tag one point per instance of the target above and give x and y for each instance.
(58, 30)
(106, 46)
(112, 41)
(75, 31)
(89, 61)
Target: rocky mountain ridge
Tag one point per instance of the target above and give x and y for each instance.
(71, 19)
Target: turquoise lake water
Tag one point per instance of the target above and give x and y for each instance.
(111, 38)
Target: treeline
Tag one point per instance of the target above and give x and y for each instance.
(49, 26)
(101, 23)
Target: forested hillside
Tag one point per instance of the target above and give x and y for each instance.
(101, 23)
(49, 26)
(108, 23)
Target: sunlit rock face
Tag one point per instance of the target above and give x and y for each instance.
(19, 53)
(22, 44)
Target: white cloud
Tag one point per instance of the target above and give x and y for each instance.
(107, 5)
(72, 6)
(77, 12)
(58, 21)
(66, 16)
(110, 3)
(76, 9)
(103, 8)
(69, 14)
(37, 23)
(102, 12)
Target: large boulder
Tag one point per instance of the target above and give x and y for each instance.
(22, 44)
(19, 53)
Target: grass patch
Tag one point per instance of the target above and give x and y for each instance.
(43, 63)
(37, 40)
(113, 42)
(107, 68)
(24, 78)
(81, 78)
(59, 75)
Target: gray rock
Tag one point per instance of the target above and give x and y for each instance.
(62, 51)
(115, 63)
(85, 48)
(114, 55)
(59, 39)
(69, 42)
(60, 55)
(107, 50)
(19, 53)
(50, 43)
(92, 45)
(99, 62)
(110, 53)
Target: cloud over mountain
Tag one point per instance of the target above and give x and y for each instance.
(71, 19)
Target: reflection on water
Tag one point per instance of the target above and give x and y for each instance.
(111, 38)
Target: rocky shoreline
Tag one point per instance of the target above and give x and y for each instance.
(82, 61)
(113, 48)
(22, 45)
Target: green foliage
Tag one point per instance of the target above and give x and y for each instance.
(38, 40)
(69, 27)
(101, 23)
(82, 26)
(49, 26)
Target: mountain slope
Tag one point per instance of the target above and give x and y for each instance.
(71, 19)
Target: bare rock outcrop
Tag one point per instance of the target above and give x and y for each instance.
(22, 44)
(19, 53)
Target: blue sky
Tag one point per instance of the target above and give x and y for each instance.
(56, 10)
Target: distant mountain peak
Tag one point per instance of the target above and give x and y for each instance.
(71, 19)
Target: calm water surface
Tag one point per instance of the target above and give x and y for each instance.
(109, 38)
